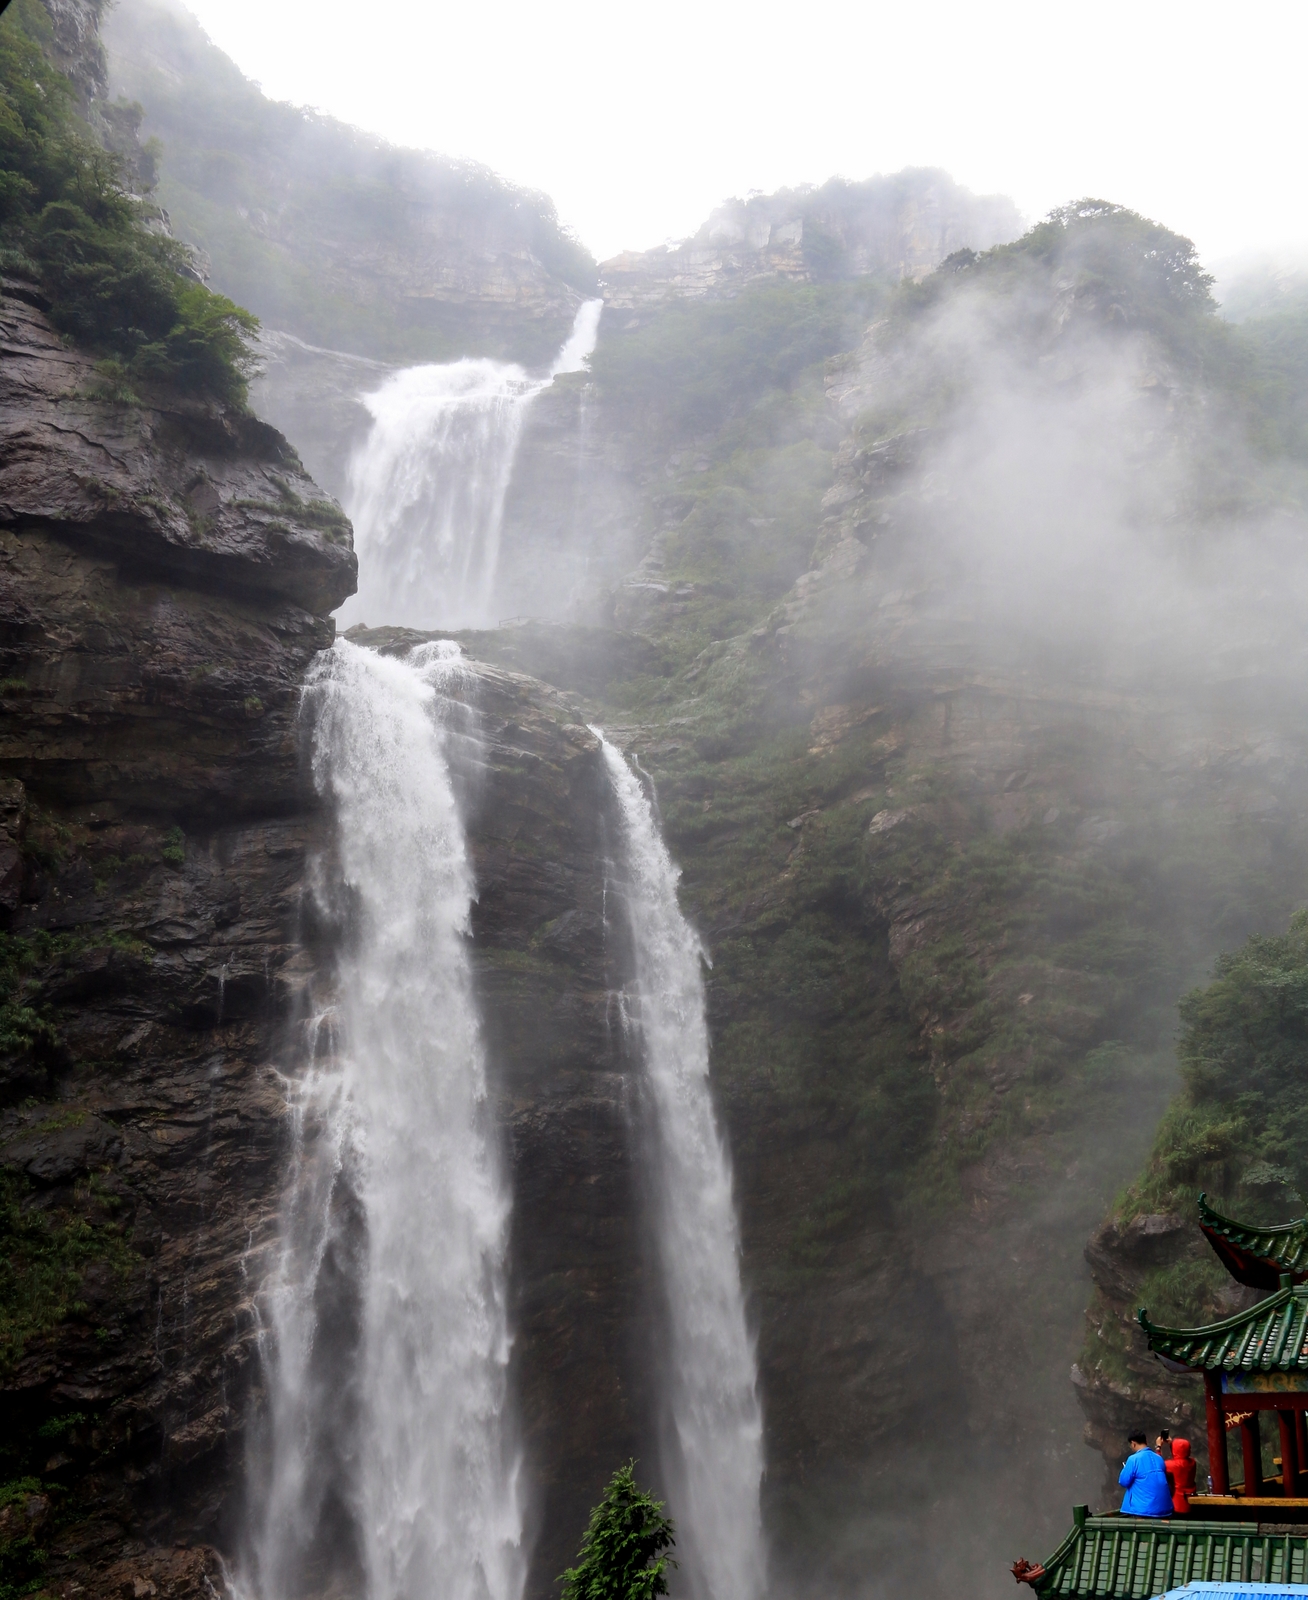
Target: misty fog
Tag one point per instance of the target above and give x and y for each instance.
(733, 942)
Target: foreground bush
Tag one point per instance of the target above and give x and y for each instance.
(621, 1551)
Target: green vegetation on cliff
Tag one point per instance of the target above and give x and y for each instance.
(22, 1558)
(1048, 942)
(1239, 1128)
(334, 236)
(29, 1038)
(1131, 273)
(47, 1245)
(1278, 355)
(69, 222)
(44, 1255)
(696, 364)
(1121, 275)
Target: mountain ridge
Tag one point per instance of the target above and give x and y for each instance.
(332, 234)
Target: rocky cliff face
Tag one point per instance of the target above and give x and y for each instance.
(313, 395)
(333, 236)
(165, 577)
(900, 226)
(77, 47)
(1119, 1385)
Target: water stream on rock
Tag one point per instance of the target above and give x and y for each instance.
(427, 486)
(714, 1453)
(387, 1305)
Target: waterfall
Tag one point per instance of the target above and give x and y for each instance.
(427, 486)
(387, 1305)
(714, 1464)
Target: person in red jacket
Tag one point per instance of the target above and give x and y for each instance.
(1180, 1475)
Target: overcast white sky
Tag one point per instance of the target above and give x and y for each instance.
(638, 120)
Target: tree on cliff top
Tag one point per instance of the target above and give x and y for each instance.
(620, 1556)
(1244, 1050)
(1144, 270)
(1122, 270)
(1240, 1126)
(69, 222)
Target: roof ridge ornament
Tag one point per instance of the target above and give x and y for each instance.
(1256, 1255)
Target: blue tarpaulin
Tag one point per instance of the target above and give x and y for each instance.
(1236, 1591)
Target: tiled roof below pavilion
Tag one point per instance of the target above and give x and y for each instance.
(1269, 1337)
(1134, 1558)
(1253, 1255)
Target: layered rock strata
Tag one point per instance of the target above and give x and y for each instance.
(902, 225)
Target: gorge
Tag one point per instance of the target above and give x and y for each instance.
(619, 887)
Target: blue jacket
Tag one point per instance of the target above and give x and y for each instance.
(1144, 1477)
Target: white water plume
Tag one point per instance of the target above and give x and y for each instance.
(388, 1391)
(427, 486)
(715, 1466)
(581, 341)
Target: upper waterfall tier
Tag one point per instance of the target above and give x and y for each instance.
(427, 485)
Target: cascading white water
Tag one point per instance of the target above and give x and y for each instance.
(427, 486)
(403, 1426)
(716, 1465)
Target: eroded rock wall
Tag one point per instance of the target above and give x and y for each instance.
(901, 226)
(166, 571)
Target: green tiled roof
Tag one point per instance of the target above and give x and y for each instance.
(1270, 1337)
(1133, 1558)
(1256, 1256)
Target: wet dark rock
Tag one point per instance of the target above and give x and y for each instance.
(178, 489)
(59, 1154)
(165, 577)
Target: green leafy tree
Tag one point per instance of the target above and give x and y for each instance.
(1239, 1128)
(1121, 271)
(1244, 1052)
(621, 1555)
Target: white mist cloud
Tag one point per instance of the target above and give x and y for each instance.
(1081, 512)
(637, 120)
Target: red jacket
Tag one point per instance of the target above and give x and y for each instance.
(1180, 1474)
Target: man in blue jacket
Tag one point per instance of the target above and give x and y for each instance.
(1144, 1477)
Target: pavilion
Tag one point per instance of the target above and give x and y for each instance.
(1246, 1537)
(1253, 1364)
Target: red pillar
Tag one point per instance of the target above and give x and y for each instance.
(1251, 1448)
(1289, 1454)
(1301, 1445)
(1216, 1434)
